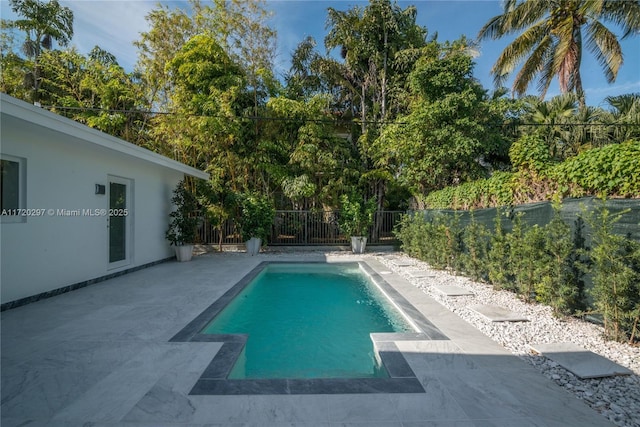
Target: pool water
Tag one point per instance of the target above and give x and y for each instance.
(308, 321)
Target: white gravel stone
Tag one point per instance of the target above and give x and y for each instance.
(615, 398)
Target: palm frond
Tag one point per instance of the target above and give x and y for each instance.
(547, 71)
(518, 50)
(535, 64)
(624, 13)
(605, 47)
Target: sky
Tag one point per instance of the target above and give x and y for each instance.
(115, 24)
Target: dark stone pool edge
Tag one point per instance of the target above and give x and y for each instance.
(214, 381)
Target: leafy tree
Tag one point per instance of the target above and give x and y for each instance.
(304, 79)
(93, 90)
(552, 38)
(169, 30)
(43, 22)
(369, 40)
(13, 67)
(240, 26)
(317, 165)
(203, 128)
(439, 142)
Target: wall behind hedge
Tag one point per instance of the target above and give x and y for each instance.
(540, 213)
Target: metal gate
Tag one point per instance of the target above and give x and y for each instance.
(305, 228)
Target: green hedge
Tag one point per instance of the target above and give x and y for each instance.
(610, 171)
(545, 263)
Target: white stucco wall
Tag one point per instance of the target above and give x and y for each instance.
(52, 251)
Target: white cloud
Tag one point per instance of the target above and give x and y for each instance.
(111, 24)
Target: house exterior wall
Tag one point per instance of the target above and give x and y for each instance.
(55, 250)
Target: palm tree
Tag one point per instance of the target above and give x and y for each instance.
(624, 116)
(553, 35)
(43, 21)
(551, 120)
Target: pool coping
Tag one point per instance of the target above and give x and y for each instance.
(214, 380)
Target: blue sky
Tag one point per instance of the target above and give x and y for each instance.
(115, 24)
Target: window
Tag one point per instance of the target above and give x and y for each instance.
(12, 188)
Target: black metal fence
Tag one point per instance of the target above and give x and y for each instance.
(305, 228)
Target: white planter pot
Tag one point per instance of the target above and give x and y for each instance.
(253, 245)
(184, 253)
(358, 244)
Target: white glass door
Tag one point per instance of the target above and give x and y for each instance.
(119, 224)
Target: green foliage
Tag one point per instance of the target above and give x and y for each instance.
(356, 216)
(496, 190)
(615, 270)
(218, 205)
(439, 141)
(437, 241)
(530, 152)
(256, 216)
(184, 219)
(526, 257)
(476, 244)
(540, 263)
(498, 259)
(43, 22)
(560, 285)
(610, 171)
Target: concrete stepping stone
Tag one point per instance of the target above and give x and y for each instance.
(400, 263)
(420, 274)
(452, 291)
(583, 363)
(495, 313)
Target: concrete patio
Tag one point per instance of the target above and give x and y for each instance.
(100, 356)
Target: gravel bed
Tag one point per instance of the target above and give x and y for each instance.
(616, 398)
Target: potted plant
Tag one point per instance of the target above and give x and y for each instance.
(255, 222)
(355, 219)
(183, 222)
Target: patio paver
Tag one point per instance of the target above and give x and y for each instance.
(496, 313)
(583, 363)
(452, 290)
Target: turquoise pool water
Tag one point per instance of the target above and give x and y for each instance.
(308, 321)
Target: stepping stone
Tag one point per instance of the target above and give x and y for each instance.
(403, 263)
(583, 363)
(421, 274)
(452, 291)
(498, 314)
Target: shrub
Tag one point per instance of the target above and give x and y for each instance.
(560, 285)
(526, 257)
(184, 219)
(615, 270)
(475, 243)
(541, 263)
(498, 257)
(530, 152)
(257, 214)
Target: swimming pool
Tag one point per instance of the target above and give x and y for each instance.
(309, 321)
(390, 373)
